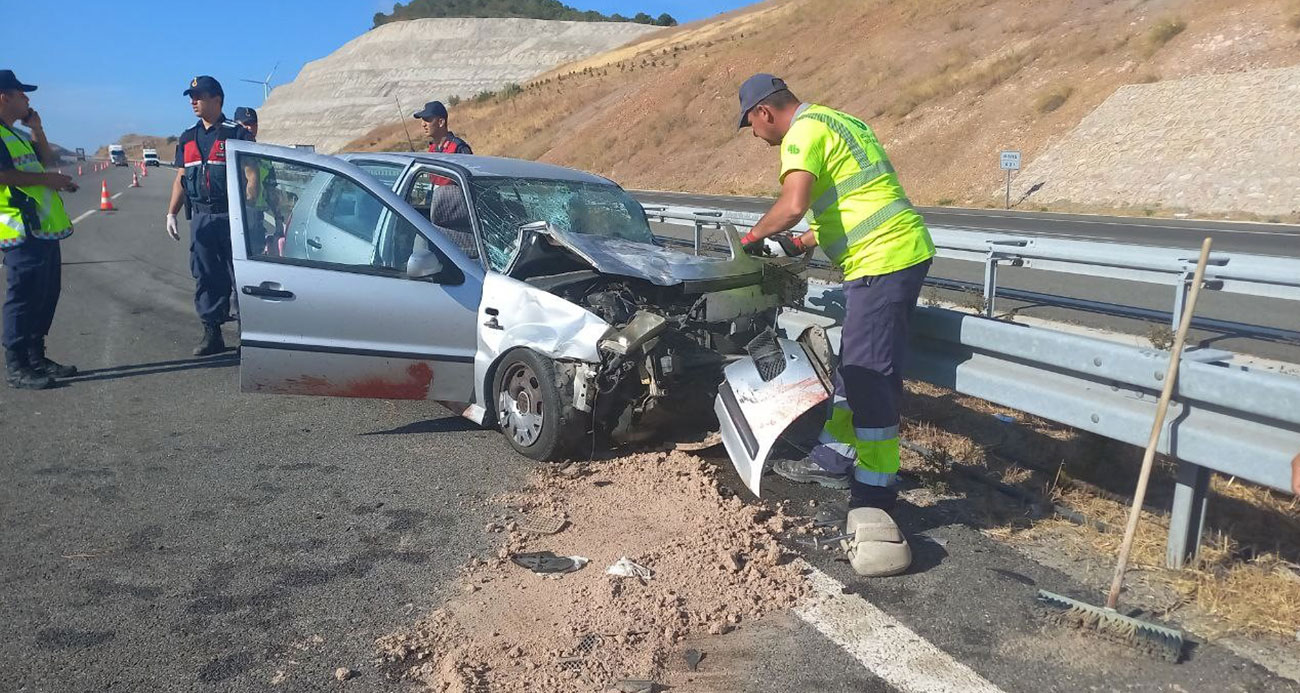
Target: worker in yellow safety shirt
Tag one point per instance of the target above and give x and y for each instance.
(32, 222)
(835, 171)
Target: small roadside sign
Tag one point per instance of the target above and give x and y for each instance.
(1011, 160)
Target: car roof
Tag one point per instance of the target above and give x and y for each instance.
(486, 166)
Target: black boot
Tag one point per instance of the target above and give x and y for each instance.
(212, 343)
(44, 366)
(19, 372)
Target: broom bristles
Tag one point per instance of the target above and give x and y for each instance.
(1151, 639)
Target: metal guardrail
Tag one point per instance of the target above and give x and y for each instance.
(1224, 418)
(1253, 275)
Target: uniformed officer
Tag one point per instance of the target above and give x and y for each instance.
(201, 186)
(246, 116)
(261, 239)
(32, 222)
(441, 139)
(833, 167)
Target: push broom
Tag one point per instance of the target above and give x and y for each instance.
(1159, 641)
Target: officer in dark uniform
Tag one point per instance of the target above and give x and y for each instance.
(441, 139)
(201, 186)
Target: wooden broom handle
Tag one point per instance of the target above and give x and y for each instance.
(1148, 460)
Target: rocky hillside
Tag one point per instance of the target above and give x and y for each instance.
(527, 9)
(945, 85)
(384, 75)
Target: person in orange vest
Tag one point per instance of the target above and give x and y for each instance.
(32, 222)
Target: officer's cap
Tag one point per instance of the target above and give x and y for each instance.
(245, 116)
(433, 109)
(9, 81)
(204, 84)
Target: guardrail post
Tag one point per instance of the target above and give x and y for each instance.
(1181, 290)
(1187, 516)
(699, 232)
(990, 284)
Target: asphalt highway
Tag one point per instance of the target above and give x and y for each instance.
(1237, 237)
(162, 531)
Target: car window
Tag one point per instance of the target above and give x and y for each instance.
(598, 209)
(442, 200)
(303, 214)
(383, 171)
(347, 206)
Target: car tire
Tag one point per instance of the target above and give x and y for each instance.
(534, 408)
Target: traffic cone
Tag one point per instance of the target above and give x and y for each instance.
(144, 171)
(78, 170)
(135, 180)
(105, 203)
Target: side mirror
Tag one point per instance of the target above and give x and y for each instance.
(425, 264)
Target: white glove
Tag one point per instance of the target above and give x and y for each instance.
(171, 228)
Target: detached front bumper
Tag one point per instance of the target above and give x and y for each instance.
(760, 397)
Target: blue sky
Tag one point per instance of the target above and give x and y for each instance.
(109, 68)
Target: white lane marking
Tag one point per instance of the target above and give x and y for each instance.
(886, 647)
(116, 196)
(83, 215)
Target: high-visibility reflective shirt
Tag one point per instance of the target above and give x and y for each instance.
(860, 213)
(28, 210)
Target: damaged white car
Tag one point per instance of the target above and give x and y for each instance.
(525, 296)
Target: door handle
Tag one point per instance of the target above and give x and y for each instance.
(315, 243)
(266, 290)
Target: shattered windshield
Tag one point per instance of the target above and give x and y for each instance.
(503, 204)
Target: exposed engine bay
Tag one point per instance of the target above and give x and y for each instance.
(663, 358)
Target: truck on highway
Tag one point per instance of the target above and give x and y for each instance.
(117, 154)
(150, 157)
(81, 154)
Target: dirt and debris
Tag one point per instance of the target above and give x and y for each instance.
(716, 561)
(344, 674)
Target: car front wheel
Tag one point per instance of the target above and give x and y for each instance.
(534, 409)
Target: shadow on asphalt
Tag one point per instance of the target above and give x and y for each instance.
(447, 424)
(139, 369)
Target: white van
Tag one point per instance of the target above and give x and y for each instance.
(117, 154)
(150, 157)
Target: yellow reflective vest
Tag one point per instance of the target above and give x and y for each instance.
(34, 210)
(859, 213)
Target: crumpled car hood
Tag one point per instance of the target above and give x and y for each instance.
(656, 264)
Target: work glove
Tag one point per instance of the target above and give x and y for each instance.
(171, 228)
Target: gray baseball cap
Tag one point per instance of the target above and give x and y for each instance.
(755, 89)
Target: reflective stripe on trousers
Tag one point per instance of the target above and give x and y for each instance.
(872, 453)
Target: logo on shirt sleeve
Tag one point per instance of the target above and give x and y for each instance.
(793, 149)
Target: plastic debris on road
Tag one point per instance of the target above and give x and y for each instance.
(546, 562)
(626, 567)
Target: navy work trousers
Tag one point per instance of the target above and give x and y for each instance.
(210, 263)
(869, 383)
(34, 273)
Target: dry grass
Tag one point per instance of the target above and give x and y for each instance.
(1163, 32)
(943, 84)
(1245, 579)
(1053, 98)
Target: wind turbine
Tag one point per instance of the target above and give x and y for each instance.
(266, 83)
